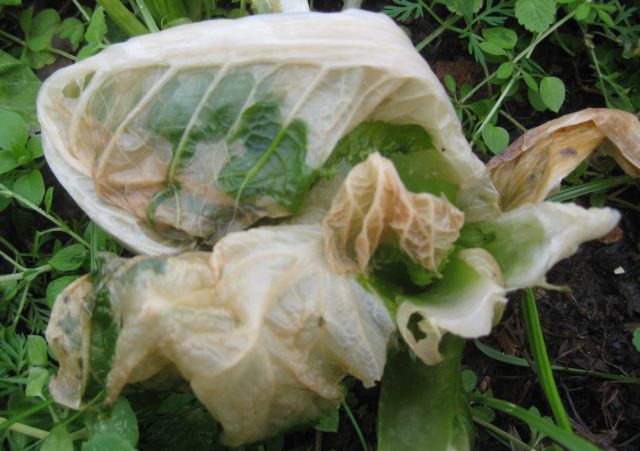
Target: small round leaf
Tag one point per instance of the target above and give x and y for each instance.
(500, 36)
(496, 138)
(68, 258)
(30, 186)
(552, 93)
(491, 48)
(505, 70)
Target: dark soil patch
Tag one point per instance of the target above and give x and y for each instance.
(588, 327)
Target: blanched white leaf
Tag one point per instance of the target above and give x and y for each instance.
(262, 329)
(527, 241)
(67, 331)
(166, 141)
(466, 302)
(374, 207)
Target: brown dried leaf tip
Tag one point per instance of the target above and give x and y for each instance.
(535, 164)
(373, 207)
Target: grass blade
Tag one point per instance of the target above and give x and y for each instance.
(594, 186)
(517, 361)
(356, 426)
(565, 438)
(541, 359)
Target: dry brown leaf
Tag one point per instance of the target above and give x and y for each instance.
(373, 206)
(533, 165)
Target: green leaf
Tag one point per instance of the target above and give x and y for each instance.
(424, 407)
(8, 161)
(420, 165)
(388, 139)
(97, 28)
(89, 50)
(37, 350)
(484, 413)
(196, 429)
(73, 30)
(43, 27)
(535, 100)
(56, 287)
(30, 186)
(329, 423)
(502, 37)
(35, 147)
(165, 11)
(48, 199)
(4, 200)
(469, 380)
(636, 339)
(10, 2)
(68, 258)
(57, 440)
(464, 7)
(107, 441)
(505, 70)
(120, 420)
(26, 19)
(530, 82)
(582, 11)
(491, 48)
(606, 18)
(496, 138)
(535, 15)
(36, 381)
(14, 131)
(273, 164)
(18, 88)
(552, 93)
(450, 83)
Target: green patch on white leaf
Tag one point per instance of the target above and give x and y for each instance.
(465, 302)
(527, 241)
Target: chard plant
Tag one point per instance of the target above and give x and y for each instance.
(306, 208)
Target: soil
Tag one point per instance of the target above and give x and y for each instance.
(589, 327)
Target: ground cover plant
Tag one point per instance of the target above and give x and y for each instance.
(496, 83)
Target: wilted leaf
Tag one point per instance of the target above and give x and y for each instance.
(527, 241)
(535, 164)
(466, 302)
(264, 303)
(373, 207)
(169, 151)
